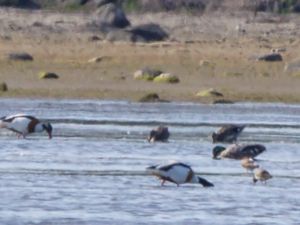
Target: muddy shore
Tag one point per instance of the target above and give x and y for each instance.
(204, 52)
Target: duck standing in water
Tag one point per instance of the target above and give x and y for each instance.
(261, 175)
(25, 124)
(161, 133)
(178, 173)
(227, 133)
(249, 164)
(238, 151)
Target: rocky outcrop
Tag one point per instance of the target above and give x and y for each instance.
(111, 15)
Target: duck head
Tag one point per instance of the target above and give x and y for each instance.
(152, 136)
(48, 128)
(217, 151)
(204, 182)
(214, 137)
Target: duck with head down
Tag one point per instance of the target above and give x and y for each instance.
(178, 173)
(25, 124)
(261, 175)
(227, 133)
(161, 133)
(238, 151)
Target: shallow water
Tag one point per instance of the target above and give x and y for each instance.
(93, 170)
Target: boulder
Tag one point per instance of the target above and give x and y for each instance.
(48, 75)
(166, 78)
(146, 74)
(20, 56)
(209, 93)
(273, 57)
(111, 15)
(148, 33)
(3, 87)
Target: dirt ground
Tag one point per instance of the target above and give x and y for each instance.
(210, 51)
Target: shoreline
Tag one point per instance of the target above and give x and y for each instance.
(223, 60)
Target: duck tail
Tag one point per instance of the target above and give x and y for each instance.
(204, 182)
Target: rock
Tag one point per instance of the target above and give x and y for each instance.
(94, 38)
(273, 57)
(206, 63)
(98, 59)
(222, 101)
(111, 15)
(166, 78)
(209, 93)
(20, 56)
(3, 87)
(148, 33)
(151, 97)
(146, 74)
(48, 75)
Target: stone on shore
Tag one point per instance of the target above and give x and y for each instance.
(209, 93)
(146, 74)
(48, 75)
(20, 56)
(273, 57)
(3, 87)
(166, 78)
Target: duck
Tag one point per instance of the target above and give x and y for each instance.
(261, 175)
(161, 133)
(227, 133)
(24, 124)
(249, 164)
(238, 151)
(178, 173)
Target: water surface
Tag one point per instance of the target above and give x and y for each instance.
(93, 170)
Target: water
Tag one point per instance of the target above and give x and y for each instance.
(93, 170)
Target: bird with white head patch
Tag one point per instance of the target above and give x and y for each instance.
(24, 124)
(178, 173)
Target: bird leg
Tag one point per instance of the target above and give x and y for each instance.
(162, 182)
